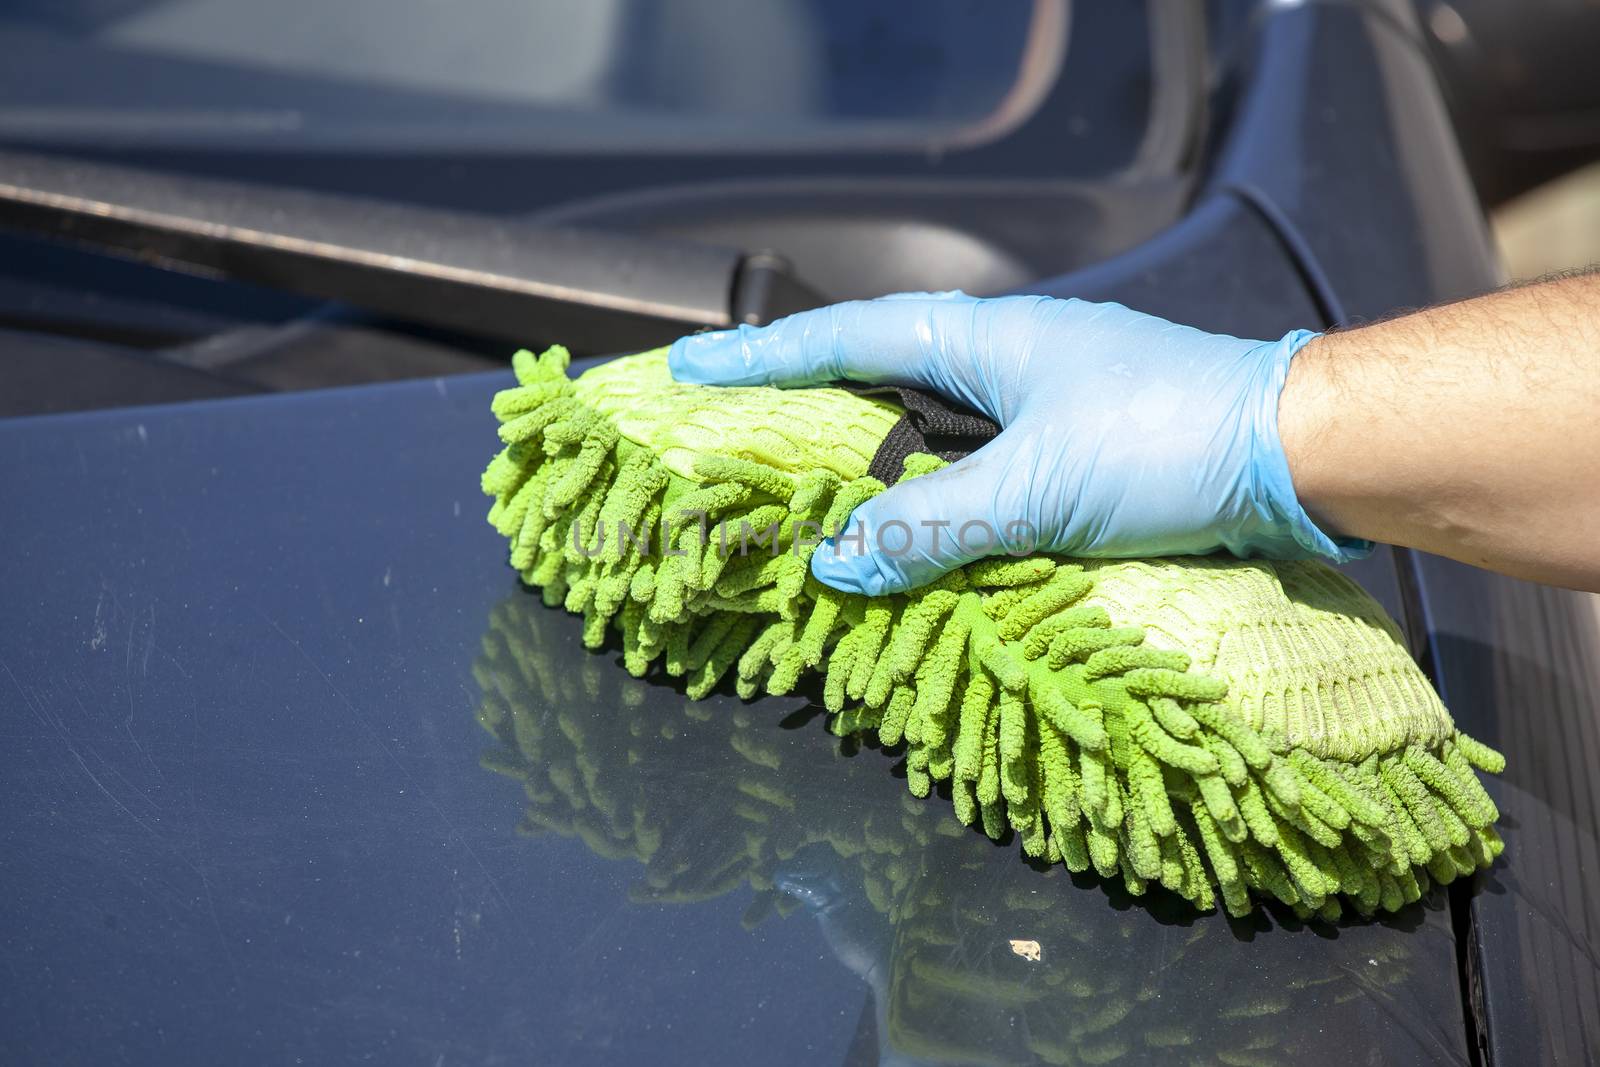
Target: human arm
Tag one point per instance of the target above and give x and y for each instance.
(1471, 430)
(1126, 435)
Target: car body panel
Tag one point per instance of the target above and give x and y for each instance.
(246, 640)
(1519, 665)
(1374, 199)
(244, 647)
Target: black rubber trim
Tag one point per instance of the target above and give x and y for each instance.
(1460, 892)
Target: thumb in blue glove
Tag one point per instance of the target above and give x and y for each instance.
(1124, 435)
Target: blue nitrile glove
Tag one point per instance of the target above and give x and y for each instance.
(1124, 434)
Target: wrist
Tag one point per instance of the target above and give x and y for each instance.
(1305, 417)
(1307, 472)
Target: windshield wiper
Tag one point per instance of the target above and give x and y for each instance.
(595, 290)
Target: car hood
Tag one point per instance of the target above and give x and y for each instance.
(298, 769)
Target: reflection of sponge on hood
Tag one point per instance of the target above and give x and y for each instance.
(1212, 725)
(713, 803)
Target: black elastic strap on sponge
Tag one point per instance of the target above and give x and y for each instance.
(930, 424)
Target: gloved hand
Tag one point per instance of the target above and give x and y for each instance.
(1124, 435)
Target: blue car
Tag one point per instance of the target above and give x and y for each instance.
(296, 771)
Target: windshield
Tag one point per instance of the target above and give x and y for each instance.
(529, 75)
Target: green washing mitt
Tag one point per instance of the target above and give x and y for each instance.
(1212, 725)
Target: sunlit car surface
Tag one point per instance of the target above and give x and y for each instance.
(296, 770)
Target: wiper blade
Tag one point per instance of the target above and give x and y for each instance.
(597, 290)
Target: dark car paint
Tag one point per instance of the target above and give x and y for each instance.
(1519, 665)
(145, 908)
(243, 655)
(1522, 121)
(1375, 201)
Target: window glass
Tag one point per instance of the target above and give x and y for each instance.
(529, 74)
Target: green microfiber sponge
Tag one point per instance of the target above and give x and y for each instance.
(1216, 726)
